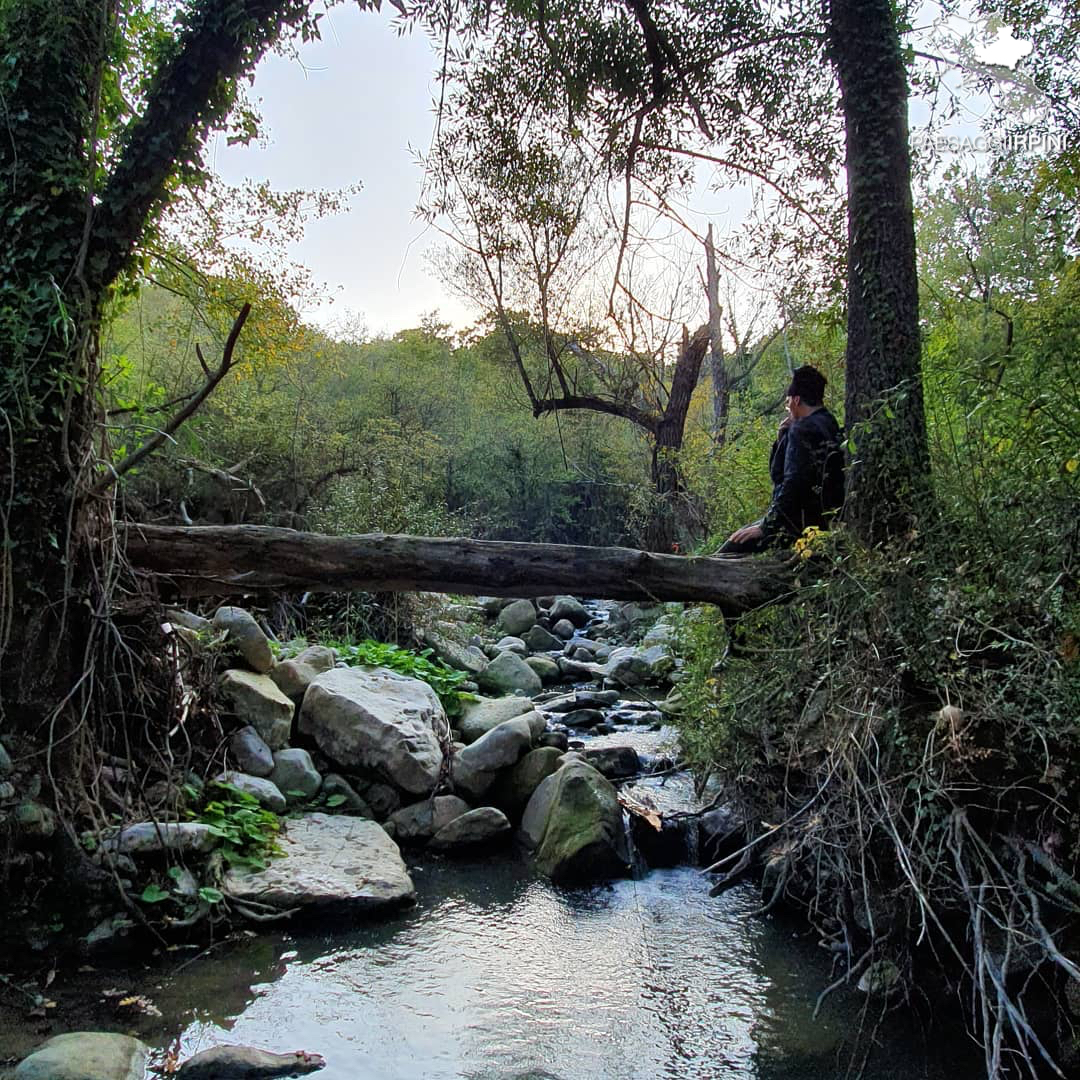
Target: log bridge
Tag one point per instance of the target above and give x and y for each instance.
(221, 560)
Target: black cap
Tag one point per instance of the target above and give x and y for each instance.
(808, 384)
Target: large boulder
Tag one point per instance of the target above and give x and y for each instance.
(376, 719)
(320, 657)
(463, 657)
(255, 700)
(572, 828)
(86, 1055)
(480, 716)
(252, 754)
(516, 618)
(266, 791)
(545, 667)
(615, 762)
(292, 678)
(563, 628)
(513, 788)
(507, 673)
(633, 667)
(476, 766)
(511, 644)
(566, 607)
(540, 640)
(243, 634)
(418, 823)
(295, 774)
(474, 829)
(331, 864)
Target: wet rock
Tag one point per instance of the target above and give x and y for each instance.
(484, 825)
(86, 1055)
(376, 719)
(252, 754)
(256, 701)
(721, 832)
(6, 766)
(633, 667)
(513, 788)
(556, 739)
(516, 618)
(583, 656)
(320, 657)
(266, 791)
(507, 673)
(632, 615)
(418, 823)
(545, 667)
(292, 678)
(331, 864)
(479, 717)
(150, 836)
(295, 774)
(574, 669)
(579, 699)
(476, 766)
(563, 628)
(572, 828)
(540, 640)
(245, 636)
(566, 607)
(511, 644)
(614, 762)
(604, 729)
(247, 1063)
(582, 719)
(334, 785)
(587, 644)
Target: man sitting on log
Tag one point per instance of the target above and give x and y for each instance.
(806, 466)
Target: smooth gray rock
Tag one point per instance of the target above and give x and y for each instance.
(507, 673)
(255, 700)
(545, 667)
(86, 1055)
(511, 644)
(376, 719)
(247, 1063)
(6, 766)
(334, 864)
(574, 669)
(252, 754)
(540, 640)
(513, 788)
(418, 823)
(632, 667)
(631, 615)
(572, 828)
(148, 836)
(482, 826)
(354, 803)
(614, 762)
(662, 633)
(320, 657)
(582, 719)
(462, 657)
(516, 618)
(292, 678)
(475, 767)
(581, 699)
(479, 717)
(563, 628)
(295, 774)
(244, 635)
(266, 791)
(567, 607)
(557, 739)
(582, 655)
(188, 620)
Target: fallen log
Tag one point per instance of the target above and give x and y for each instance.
(218, 560)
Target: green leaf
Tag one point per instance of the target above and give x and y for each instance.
(335, 800)
(211, 895)
(153, 894)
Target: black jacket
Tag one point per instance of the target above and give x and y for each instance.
(806, 465)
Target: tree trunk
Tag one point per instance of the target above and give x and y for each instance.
(218, 560)
(889, 474)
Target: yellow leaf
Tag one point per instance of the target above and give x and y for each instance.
(1072, 465)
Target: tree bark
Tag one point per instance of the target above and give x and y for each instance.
(219, 560)
(889, 473)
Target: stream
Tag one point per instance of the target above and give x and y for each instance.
(496, 973)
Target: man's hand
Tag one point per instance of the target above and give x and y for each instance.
(747, 533)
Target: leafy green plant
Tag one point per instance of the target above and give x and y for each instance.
(247, 831)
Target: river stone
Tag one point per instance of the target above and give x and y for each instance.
(582, 655)
(632, 667)
(148, 836)
(246, 637)
(573, 827)
(354, 803)
(513, 788)
(510, 644)
(575, 669)
(481, 826)
(631, 615)
(556, 739)
(252, 754)
(663, 633)
(330, 864)
(462, 657)
(476, 766)
(615, 762)
(320, 657)
(540, 640)
(292, 678)
(579, 699)
(516, 618)
(6, 767)
(383, 799)
(374, 718)
(266, 791)
(479, 717)
(295, 774)
(255, 700)
(545, 667)
(86, 1055)
(583, 718)
(507, 673)
(247, 1063)
(421, 821)
(563, 628)
(567, 607)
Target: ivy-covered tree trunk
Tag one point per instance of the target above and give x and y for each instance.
(889, 475)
